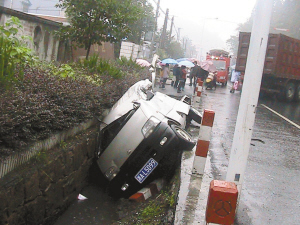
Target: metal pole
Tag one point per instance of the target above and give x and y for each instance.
(154, 30)
(164, 31)
(248, 103)
(171, 29)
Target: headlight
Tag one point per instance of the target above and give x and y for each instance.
(149, 126)
(111, 172)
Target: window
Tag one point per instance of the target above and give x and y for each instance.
(2, 2)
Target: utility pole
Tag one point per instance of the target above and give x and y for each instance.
(178, 34)
(248, 103)
(164, 31)
(172, 22)
(154, 29)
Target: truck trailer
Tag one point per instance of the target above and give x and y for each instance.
(281, 73)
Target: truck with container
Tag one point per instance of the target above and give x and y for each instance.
(221, 61)
(281, 72)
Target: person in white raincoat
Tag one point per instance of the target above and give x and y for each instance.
(235, 75)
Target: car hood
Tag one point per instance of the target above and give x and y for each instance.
(161, 103)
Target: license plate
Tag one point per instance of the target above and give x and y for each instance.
(222, 77)
(146, 170)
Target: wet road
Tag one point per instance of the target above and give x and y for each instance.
(270, 193)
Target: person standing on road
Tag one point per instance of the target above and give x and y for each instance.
(235, 75)
(194, 74)
(203, 74)
(165, 75)
(176, 73)
(182, 79)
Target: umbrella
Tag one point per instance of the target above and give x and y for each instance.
(143, 62)
(194, 60)
(186, 63)
(181, 59)
(208, 66)
(169, 61)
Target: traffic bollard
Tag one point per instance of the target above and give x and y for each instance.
(197, 93)
(221, 202)
(203, 142)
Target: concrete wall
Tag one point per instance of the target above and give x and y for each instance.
(40, 190)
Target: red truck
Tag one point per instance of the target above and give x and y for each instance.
(221, 60)
(281, 73)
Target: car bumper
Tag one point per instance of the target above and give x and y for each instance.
(161, 145)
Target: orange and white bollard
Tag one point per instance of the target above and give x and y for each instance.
(203, 142)
(198, 93)
(221, 202)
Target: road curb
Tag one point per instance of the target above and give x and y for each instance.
(151, 189)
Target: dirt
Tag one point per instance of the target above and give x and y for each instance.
(157, 210)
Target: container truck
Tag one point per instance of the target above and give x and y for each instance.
(281, 73)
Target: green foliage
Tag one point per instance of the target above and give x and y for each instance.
(174, 50)
(100, 66)
(14, 55)
(143, 24)
(65, 71)
(95, 22)
(285, 15)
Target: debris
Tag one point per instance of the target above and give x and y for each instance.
(81, 197)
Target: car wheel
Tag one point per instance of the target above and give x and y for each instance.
(195, 115)
(185, 140)
(289, 92)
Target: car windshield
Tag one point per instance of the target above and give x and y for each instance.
(220, 65)
(110, 131)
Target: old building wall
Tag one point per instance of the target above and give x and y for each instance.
(43, 41)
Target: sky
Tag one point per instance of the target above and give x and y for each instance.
(208, 24)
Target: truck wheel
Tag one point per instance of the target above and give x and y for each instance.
(297, 93)
(185, 140)
(194, 115)
(289, 92)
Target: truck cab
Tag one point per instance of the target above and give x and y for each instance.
(221, 61)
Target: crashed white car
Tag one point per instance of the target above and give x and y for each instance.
(141, 135)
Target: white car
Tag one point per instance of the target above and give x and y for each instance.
(141, 135)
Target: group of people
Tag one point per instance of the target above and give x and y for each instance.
(180, 74)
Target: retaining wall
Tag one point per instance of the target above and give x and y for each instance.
(42, 188)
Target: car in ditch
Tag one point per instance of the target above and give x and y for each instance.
(142, 137)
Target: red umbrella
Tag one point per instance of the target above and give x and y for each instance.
(143, 62)
(208, 65)
(194, 60)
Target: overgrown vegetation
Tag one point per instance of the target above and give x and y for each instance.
(14, 54)
(44, 98)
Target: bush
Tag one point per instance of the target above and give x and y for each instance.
(52, 99)
(14, 55)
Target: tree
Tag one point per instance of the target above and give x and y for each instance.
(174, 50)
(285, 15)
(143, 24)
(98, 21)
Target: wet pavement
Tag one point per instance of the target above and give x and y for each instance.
(270, 189)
